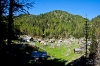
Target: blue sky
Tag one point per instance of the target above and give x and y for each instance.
(76, 7)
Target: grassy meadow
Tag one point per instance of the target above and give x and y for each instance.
(64, 51)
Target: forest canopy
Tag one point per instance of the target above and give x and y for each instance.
(53, 24)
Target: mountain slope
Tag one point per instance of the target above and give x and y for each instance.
(55, 24)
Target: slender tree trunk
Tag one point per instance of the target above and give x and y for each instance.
(1, 18)
(0, 10)
(10, 22)
(0, 15)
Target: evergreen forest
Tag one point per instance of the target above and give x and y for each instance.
(55, 24)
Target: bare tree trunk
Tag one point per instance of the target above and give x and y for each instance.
(10, 22)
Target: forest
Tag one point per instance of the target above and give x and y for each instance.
(55, 24)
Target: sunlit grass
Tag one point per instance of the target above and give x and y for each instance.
(64, 52)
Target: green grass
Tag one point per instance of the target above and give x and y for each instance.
(64, 52)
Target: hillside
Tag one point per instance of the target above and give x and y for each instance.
(57, 24)
(96, 23)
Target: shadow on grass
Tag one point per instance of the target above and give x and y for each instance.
(19, 54)
(82, 61)
(55, 62)
(15, 54)
(78, 62)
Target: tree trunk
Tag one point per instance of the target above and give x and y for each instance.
(10, 22)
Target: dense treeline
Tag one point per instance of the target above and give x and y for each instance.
(57, 24)
(54, 24)
(96, 23)
(95, 35)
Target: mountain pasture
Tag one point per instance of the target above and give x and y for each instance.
(63, 51)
